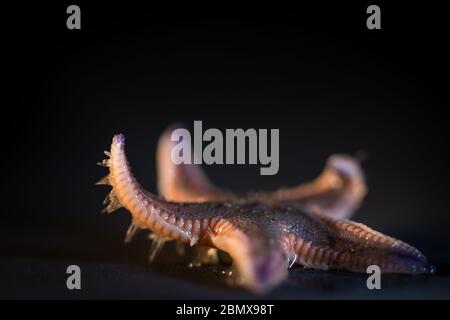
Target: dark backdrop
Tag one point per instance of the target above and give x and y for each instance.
(316, 73)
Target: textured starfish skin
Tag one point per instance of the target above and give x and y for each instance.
(338, 191)
(264, 233)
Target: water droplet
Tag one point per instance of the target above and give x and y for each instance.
(432, 269)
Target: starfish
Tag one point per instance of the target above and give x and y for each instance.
(265, 233)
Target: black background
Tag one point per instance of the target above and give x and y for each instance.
(315, 72)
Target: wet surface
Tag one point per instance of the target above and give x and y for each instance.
(33, 265)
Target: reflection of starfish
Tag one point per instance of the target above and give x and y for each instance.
(265, 233)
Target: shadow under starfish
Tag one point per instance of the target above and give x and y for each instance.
(265, 233)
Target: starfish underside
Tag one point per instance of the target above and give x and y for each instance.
(265, 233)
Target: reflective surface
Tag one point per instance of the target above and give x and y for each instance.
(33, 265)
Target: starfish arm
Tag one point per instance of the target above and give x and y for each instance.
(255, 247)
(337, 191)
(344, 244)
(186, 222)
(183, 182)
